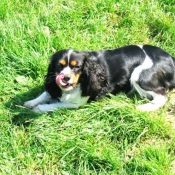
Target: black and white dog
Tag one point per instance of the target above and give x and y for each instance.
(75, 78)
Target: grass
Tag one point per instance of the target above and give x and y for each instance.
(104, 137)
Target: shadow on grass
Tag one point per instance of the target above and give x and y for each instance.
(19, 114)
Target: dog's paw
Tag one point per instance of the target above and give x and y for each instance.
(38, 109)
(148, 107)
(42, 108)
(30, 104)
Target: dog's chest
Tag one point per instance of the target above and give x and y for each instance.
(75, 97)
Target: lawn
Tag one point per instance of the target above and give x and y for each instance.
(107, 137)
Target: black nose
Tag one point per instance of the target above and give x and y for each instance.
(66, 78)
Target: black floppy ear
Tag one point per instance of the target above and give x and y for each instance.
(94, 81)
(50, 84)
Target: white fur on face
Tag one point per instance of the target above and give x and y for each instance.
(67, 70)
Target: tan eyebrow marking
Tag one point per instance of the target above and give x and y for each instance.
(73, 63)
(62, 62)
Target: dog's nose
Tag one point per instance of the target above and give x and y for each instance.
(66, 78)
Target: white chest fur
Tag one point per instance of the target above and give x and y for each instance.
(74, 97)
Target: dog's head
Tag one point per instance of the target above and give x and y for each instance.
(64, 71)
(68, 68)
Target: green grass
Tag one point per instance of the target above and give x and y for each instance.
(104, 137)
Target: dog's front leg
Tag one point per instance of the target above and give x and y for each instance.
(42, 108)
(43, 98)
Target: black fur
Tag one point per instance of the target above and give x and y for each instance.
(94, 80)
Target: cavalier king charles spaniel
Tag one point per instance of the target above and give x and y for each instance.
(75, 77)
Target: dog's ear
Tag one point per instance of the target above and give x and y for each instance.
(94, 81)
(50, 84)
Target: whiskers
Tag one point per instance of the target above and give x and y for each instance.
(50, 77)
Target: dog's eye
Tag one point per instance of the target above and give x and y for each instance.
(77, 67)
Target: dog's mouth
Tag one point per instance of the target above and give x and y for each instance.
(66, 86)
(61, 82)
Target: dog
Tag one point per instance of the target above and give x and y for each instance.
(77, 77)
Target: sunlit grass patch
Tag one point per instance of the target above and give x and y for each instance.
(105, 137)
